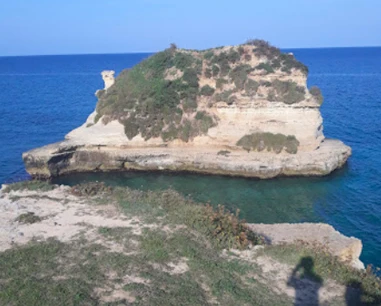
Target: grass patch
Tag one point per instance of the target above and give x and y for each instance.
(28, 218)
(26, 277)
(32, 185)
(271, 142)
(56, 273)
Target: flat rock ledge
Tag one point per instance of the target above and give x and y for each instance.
(69, 157)
(346, 249)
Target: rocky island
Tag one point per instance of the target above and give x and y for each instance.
(237, 110)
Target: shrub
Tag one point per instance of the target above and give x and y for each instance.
(286, 62)
(316, 93)
(251, 87)
(288, 92)
(100, 93)
(263, 48)
(190, 105)
(190, 76)
(207, 91)
(222, 60)
(289, 62)
(233, 56)
(265, 66)
(220, 83)
(208, 73)
(248, 57)
(170, 133)
(208, 55)
(239, 75)
(186, 131)
(269, 141)
(204, 122)
(183, 60)
(215, 70)
(224, 68)
(131, 128)
(276, 63)
(90, 189)
(265, 83)
(228, 229)
(223, 153)
(241, 50)
(223, 96)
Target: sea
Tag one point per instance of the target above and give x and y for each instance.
(42, 98)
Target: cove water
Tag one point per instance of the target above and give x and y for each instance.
(44, 97)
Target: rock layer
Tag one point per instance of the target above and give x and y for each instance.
(67, 157)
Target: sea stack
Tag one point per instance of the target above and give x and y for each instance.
(237, 110)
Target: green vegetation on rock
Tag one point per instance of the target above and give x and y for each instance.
(316, 93)
(277, 59)
(207, 90)
(33, 185)
(270, 142)
(286, 91)
(156, 97)
(146, 101)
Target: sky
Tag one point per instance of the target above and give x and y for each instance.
(42, 27)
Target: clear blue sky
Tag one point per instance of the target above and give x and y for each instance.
(29, 27)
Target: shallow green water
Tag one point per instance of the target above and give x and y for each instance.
(267, 201)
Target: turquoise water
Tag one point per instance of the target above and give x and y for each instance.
(42, 98)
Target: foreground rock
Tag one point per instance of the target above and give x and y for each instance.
(146, 255)
(243, 110)
(347, 249)
(63, 216)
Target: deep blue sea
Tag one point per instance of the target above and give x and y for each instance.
(44, 97)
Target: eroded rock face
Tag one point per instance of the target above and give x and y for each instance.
(347, 249)
(108, 78)
(208, 102)
(65, 158)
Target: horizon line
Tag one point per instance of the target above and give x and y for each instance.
(152, 52)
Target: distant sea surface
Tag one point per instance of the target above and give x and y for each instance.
(44, 97)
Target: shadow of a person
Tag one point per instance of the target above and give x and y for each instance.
(353, 293)
(306, 283)
(356, 296)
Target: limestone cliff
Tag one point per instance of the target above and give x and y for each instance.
(241, 110)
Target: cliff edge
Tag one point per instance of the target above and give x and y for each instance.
(237, 110)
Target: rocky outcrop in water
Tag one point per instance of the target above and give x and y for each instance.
(243, 110)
